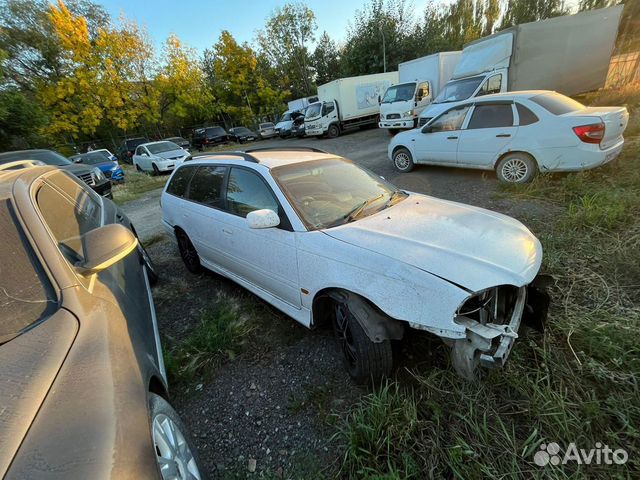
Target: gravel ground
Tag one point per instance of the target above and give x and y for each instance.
(269, 412)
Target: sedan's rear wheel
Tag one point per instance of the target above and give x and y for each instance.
(517, 167)
(402, 160)
(177, 458)
(364, 360)
(188, 253)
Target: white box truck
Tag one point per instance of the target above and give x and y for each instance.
(568, 54)
(420, 81)
(299, 104)
(347, 103)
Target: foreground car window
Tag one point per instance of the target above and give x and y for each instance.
(450, 121)
(247, 192)
(557, 104)
(179, 181)
(26, 295)
(491, 116)
(326, 192)
(206, 186)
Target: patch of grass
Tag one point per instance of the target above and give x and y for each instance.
(578, 382)
(218, 336)
(136, 185)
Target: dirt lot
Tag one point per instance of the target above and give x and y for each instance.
(273, 396)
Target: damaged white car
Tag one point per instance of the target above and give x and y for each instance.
(322, 240)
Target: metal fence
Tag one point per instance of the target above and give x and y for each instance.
(624, 69)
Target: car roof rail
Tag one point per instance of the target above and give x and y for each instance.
(21, 164)
(285, 149)
(245, 156)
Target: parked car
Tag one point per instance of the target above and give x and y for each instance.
(297, 128)
(129, 147)
(267, 130)
(90, 175)
(284, 126)
(517, 134)
(157, 157)
(101, 159)
(205, 137)
(181, 142)
(323, 239)
(108, 152)
(84, 389)
(242, 135)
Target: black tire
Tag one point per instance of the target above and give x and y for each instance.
(402, 160)
(138, 168)
(516, 168)
(152, 272)
(188, 253)
(156, 172)
(365, 360)
(333, 131)
(392, 131)
(167, 428)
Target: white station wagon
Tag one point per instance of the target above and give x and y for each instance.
(516, 134)
(323, 239)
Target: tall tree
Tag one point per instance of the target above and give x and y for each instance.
(285, 43)
(326, 60)
(523, 11)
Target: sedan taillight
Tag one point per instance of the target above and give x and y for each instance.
(593, 133)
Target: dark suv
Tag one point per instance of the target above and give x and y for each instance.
(128, 147)
(92, 176)
(204, 137)
(83, 384)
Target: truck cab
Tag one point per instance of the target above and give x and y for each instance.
(402, 104)
(464, 89)
(320, 116)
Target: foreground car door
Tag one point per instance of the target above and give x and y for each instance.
(267, 258)
(489, 131)
(439, 143)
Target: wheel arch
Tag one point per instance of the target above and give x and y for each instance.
(402, 146)
(509, 152)
(157, 386)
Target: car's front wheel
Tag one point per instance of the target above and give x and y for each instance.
(517, 167)
(188, 253)
(177, 457)
(364, 360)
(402, 160)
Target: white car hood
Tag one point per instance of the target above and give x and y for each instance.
(469, 246)
(173, 154)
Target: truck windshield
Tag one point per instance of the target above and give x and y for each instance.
(399, 93)
(458, 90)
(313, 110)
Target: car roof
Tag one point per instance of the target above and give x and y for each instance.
(154, 143)
(269, 159)
(24, 152)
(9, 177)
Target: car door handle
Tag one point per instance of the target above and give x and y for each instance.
(452, 138)
(503, 135)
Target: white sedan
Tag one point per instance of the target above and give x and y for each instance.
(324, 240)
(157, 157)
(517, 134)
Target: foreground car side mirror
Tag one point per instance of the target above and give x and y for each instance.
(264, 218)
(104, 247)
(427, 129)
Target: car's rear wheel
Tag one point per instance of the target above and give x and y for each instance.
(402, 160)
(333, 131)
(364, 360)
(517, 167)
(188, 253)
(176, 455)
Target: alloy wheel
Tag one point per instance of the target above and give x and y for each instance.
(514, 170)
(175, 459)
(402, 161)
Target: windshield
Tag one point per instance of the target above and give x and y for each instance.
(161, 147)
(241, 130)
(25, 293)
(266, 125)
(400, 93)
(458, 90)
(331, 192)
(94, 158)
(313, 110)
(286, 117)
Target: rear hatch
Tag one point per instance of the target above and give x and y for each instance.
(615, 120)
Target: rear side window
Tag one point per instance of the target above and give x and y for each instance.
(206, 186)
(247, 192)
(178, 184)
(556, 103)
(527, 117)
(491, 116)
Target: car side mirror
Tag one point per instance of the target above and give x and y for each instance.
(105, 246)
(264, 218)
(427, 129)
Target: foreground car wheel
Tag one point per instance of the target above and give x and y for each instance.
(188, 253)
(177, 458)
(364, 360)
(152, 273)
(402, 160)
(516, 168)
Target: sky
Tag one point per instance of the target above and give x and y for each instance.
(199, 23)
